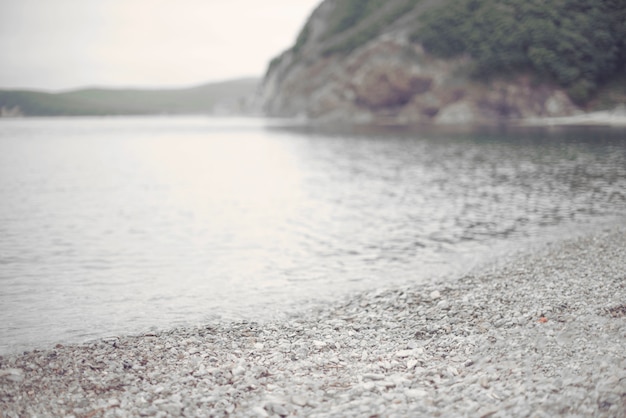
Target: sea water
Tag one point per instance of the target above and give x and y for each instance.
(112, 226)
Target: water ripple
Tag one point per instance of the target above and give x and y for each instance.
(113, 226)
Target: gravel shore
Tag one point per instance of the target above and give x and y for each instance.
(543, 335)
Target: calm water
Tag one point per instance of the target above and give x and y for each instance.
(112, 226)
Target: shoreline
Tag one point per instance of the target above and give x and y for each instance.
(609, 118)
(541, 335)
(613, 118)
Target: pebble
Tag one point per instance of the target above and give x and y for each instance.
(319, 344)
(298, 400)
(481, 351)
(12, 375)
(415, 393)
(259, 411)
(277, 409)
(443, 305)
(373, 376)
(404, 353)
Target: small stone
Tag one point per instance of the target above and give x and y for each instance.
(410, 364)
(319, 344)
(488, 412)
(148, 412)
(12, 375)
(259, 412)
(452, 371)
(298, 400)
(443, 305)
(484, 382)
(404, 353)
(373, 376)
(277, 409)
(415, 393)
(173, 409)
(238, 371)
(435, 294)
(368, 386)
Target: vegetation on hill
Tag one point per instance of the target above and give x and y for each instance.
(353, 23)
(580, 44)
(350, 14)
(100, 102)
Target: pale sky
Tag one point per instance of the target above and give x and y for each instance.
(64, 44)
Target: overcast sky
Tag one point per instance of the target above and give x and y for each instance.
(63, 44)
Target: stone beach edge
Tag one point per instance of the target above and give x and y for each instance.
(615, 118)
(541, 335)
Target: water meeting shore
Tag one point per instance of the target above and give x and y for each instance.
(540, 335)
(613, 118)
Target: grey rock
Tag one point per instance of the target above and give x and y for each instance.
(299, 400)
(373, 376)
(277, 409)
(12, 375)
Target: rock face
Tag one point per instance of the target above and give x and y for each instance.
(390, 79)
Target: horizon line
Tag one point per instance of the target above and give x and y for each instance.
(131, 86)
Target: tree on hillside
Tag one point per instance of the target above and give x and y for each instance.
(577, 43)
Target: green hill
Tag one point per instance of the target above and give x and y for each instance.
(451, 61)
(580, 44)
(205, 99)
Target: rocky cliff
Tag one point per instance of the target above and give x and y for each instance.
(366, 69)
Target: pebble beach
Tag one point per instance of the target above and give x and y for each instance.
(540, 335)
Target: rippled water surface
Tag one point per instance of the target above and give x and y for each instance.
(112, 226)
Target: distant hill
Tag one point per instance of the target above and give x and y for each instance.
(231, 96)
(450, 61)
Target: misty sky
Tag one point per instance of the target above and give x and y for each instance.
(62, 44)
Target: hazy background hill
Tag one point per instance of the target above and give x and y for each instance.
(231, 96)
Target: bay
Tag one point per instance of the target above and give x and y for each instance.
(115, 225)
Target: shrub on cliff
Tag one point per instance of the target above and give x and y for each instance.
(350, 13)
(578, 43)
